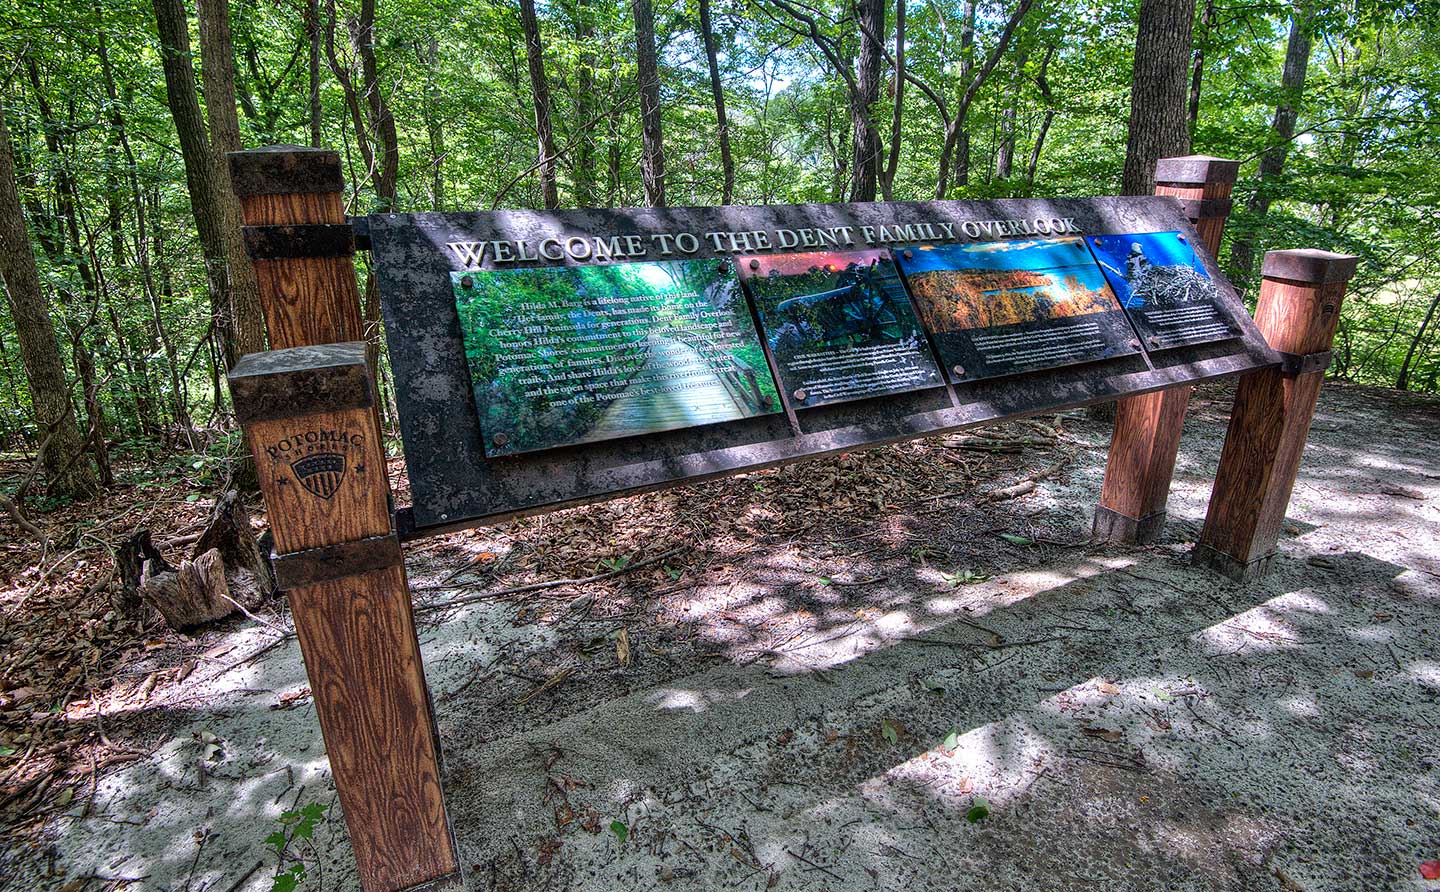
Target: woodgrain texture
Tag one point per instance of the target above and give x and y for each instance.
(1147, 431)
(310, 300)
(324, 483)
(1268, 428)
(364, 666)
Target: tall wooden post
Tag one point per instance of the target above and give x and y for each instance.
(1299, 306)
(1147, 427)
(308, 410)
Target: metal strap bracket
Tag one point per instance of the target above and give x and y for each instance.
(330, 562)
(1305, 363)
(310, 240)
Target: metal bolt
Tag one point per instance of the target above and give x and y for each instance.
(467, 282)
(908, 254)
(1135, 342)
(800, 396)
(754, 264)
(722, 268)
(1154, 342)
(1181, 237)
(959, 371)
(500, 439)
(444, 517)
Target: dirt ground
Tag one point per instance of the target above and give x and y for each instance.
(897, 669)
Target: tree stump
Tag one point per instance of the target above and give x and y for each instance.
(225, 572)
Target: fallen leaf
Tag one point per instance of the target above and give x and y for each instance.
(951, 742)
(620, 831)
(1430, 870)
(1108, 688)
(1103, 733)
(979, 811)
(622, 648)
(1364, 673)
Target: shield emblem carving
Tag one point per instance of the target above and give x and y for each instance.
(320, 473)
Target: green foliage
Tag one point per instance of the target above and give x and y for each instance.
(134, 300)
(294, 825)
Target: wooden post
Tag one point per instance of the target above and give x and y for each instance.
(1147, 431)
(308, 410)
(1299, 306)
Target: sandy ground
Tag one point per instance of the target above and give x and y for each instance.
(835, 709)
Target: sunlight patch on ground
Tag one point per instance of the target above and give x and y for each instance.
(672, 699)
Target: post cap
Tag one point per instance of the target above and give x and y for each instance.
(300, 381)
(1195, 170)
(274, 170)
(1310, 266)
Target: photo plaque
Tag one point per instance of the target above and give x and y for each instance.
(570, 355)
(839, 325)
(1001, 308)
(1164, 287)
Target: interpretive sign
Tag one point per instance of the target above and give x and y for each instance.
(1164, 287)
(1006, 307)
(578, 354)
(570, 344)
(839, 325)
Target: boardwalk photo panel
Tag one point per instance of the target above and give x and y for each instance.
(578, 354)
(1008, 307)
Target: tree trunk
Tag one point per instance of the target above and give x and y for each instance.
(1158, 91)
(717, 92)
(967, 68)
(583, 158)
(387, 172)
(540, 88)
(892, 163)
(1272, 160)
(217, 69)
(67, 473)
(652, 153)
(1403, 381)
(312, 31)
(868, 156)
(428, 54)
(1197, 69)
(202, 180)
(1042, 83)
(1005, 150)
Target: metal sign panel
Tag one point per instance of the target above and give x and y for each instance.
(839, 325)
(1016, 305)
(580, 354)
(453, 481)
(1165, 288)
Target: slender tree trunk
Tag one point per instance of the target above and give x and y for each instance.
(892, 163)
(1158, 91)
(312, 31)
(1272, 160)
(717, 92)
(387, 174)
(67, 473)
(967, 68)
(1403, 381)
(868, 156)
(540, 88)
(1005, 149)
(1042, 83)
(428, 55)
(217, 69)
(1197, 67)
(201, 177)
(583, 158)
(652, 152)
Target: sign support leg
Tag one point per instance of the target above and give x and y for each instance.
(308, 410)
(1300, 298)
(1147, 431)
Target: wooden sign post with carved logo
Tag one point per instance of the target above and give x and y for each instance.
(1300, 298)
(308, 409)
(1146, 439)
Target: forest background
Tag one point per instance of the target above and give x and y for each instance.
(128, 292)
